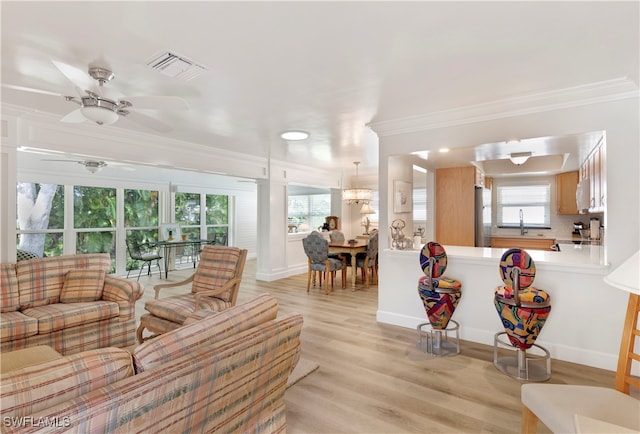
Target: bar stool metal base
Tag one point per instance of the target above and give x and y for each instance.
(525, 365)
(436, 341)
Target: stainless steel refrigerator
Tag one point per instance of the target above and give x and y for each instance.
(483, 216)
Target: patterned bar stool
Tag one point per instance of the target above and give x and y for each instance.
(440, 296)
(523, 311)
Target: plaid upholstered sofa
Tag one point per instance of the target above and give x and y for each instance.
(66, 302)
(225, 373)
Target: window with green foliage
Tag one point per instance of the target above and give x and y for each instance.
(140, 219)
(94, 218)
(92, 224)
(217, 218)
(187, 214)
(40, 218)
(192, 209)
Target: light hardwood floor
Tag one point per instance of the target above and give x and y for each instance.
(372, 377)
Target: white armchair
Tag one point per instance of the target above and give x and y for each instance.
(571, 408)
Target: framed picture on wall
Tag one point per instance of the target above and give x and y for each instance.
(402, 191)
(170, 232)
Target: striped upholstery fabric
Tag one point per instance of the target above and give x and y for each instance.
(82, 285)
(235, 385)
(109, 333)
(38, 387)
(216, 267)
(60, 316)
(178, 308)
(213, 328)
(9, 295)
(40, 281)
(16, 325)
(68, 327)
(124, 293)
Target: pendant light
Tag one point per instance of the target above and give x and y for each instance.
(356, 195)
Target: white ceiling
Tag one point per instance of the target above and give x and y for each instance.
(329, 68)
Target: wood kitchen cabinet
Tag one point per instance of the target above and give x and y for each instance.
(527, 243)
(455, 205)
(566, 185)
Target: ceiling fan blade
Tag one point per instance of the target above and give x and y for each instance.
(146, 121)
(30, 89)
(80, 79)
(157, 102)
(75, 116)
(63, 161)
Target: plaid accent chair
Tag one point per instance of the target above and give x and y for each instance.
(317, 250)
(214, 287)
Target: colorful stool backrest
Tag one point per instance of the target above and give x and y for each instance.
(433, 260)
(517, 271)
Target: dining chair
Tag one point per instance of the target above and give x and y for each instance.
(369, 261)
(317, 250)
(576, 408)
(214, 287)
(144, 253)
(336, 236)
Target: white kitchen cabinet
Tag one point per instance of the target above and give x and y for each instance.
(593, 171)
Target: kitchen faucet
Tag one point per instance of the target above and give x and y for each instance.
(522, 229)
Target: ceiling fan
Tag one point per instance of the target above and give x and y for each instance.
(94, 166)
(102, 105)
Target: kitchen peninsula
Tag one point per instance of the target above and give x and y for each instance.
(586, 313)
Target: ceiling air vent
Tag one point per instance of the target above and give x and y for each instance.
(176, 66)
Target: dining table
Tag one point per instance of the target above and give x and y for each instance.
(353, 247)
(166, 247)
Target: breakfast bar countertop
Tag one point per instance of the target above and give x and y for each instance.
(578, 257)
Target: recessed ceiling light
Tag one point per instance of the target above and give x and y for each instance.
(443, 150)
(294, 135)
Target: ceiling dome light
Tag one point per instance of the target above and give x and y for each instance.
(519, 158)
(295, 135)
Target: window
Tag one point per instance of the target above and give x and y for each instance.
(217, 218)
(310, 210)
(419, 207)
(94, 220)
(187, 214)
(140, 219)
(532, 200)
(190, 214)
(40, 218)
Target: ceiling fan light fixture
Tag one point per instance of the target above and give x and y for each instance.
(295, 135)
(519, 158)
(99, 110)
(93, 166)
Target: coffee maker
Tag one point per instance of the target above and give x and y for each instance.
(577, 227)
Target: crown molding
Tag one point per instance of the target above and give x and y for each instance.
(594, 93)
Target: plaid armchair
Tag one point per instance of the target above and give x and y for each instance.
(214, 287)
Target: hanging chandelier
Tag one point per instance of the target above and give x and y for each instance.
(356, 195)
